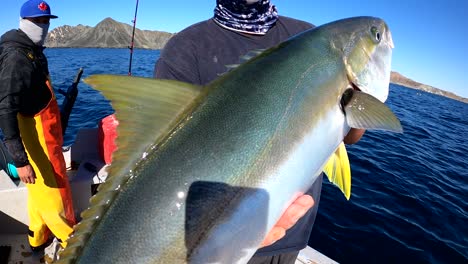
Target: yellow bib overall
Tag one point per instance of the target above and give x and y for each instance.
(50, 205)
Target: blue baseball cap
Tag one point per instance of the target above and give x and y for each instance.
(36, 8)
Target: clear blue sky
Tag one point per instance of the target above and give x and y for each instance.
(431, 37)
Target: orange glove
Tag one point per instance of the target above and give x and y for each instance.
(289, 218)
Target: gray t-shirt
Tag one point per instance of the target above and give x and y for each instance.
(200, 53)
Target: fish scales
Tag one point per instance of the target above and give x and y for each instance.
(221, 174)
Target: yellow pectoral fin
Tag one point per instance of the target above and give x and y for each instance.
(338, 170)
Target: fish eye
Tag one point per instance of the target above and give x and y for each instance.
(376, 34)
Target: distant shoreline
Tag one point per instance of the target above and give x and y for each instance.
(397, 78)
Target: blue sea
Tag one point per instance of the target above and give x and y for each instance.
(409, 201)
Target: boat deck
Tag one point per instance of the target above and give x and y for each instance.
(20, 252)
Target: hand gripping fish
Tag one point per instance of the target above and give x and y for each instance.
(201, 174)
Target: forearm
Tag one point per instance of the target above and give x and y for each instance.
(15, 77)
(13, 142)
(354, 135)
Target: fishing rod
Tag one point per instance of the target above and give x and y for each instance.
(69, 100)
(132, 42)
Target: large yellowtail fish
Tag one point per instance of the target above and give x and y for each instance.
(201, 174)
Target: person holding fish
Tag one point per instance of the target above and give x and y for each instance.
(204, 51)
(30, 122)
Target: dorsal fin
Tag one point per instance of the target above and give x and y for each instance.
(146, 114)
(338, 170)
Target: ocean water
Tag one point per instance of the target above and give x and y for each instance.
(90, 106)
(409, 201)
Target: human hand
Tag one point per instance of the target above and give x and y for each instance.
(354, 135)
(27, 174)
(289, 218)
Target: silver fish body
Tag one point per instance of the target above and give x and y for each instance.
(219, 177)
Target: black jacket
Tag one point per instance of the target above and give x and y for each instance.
(23, 89)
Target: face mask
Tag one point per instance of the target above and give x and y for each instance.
(247, 16)
(36, 32)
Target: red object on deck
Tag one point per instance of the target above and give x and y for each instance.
(106, 136)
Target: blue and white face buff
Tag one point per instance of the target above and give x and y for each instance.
(246, 16)
(36, 32)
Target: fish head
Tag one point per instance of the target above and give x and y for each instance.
(367, 55)
(363, 47)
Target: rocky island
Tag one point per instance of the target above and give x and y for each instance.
(399, 79)
(106, 34)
